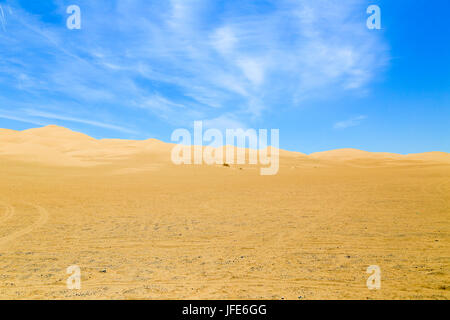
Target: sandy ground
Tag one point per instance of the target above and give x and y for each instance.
(140, 227)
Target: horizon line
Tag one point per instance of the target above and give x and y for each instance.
(147, 139)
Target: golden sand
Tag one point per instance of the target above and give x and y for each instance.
(140, 227)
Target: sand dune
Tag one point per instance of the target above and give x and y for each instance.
(348, 154)
(352, 154)
(140, 227)
(430, 156)
(60, 146)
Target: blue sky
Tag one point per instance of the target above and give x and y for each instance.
(140, 69)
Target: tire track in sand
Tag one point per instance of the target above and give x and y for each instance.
(43, 217)
(9, 212)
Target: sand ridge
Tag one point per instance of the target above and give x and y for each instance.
(60, 146)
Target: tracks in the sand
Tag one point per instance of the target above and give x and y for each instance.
(8, 213)
(43, 217)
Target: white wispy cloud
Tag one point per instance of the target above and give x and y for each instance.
(3, 21)
(43, 118)
(183, 60)
(352, 122)
(90, 122)
(224, 122)
(22, 119)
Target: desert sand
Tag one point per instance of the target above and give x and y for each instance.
(140, 227)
